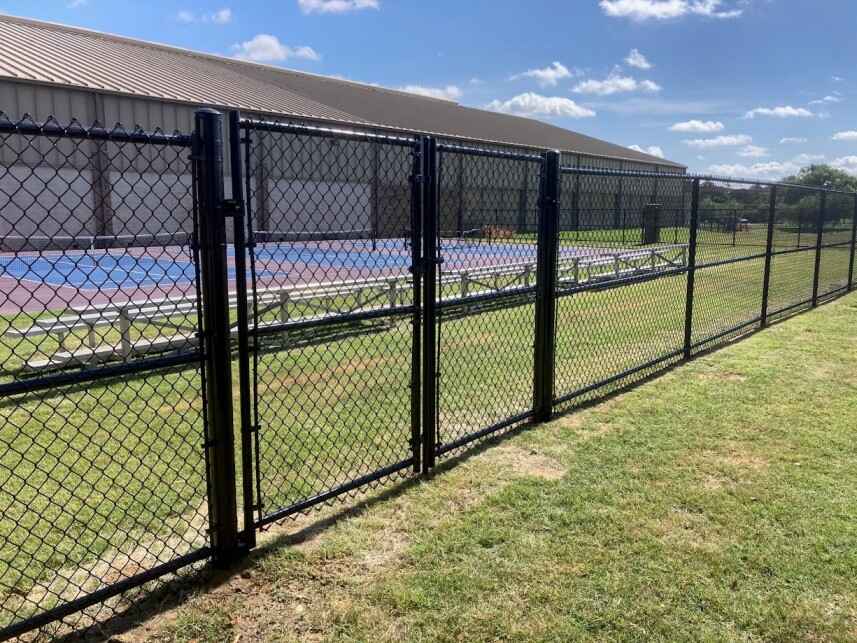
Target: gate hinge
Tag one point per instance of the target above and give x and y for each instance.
(231, 207)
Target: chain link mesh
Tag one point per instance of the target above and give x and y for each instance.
(103, 431)
(332, 267)
(102, 471)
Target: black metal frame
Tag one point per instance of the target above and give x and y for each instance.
(426, 310)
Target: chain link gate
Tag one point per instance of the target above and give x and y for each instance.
(333, 250)
(103, 459)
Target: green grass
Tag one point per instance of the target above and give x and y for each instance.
(123, 465)
(714, 503)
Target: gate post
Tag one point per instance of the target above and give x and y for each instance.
(818, 239)
(853, 247)
(769, 250)
(429, 201)
(691, 271)
(546, 266)
(220, 443)
(248, 427)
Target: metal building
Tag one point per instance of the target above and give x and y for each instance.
(51, 70)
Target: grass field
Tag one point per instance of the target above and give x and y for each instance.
(117, 481)
(714, 503)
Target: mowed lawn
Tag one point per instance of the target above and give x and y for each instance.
(112, 472)
(718, 502)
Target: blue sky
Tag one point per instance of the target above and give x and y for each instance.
(739, 87)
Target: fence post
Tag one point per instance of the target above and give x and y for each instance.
(428, 176)
(853, 247)
(220, 445)
(547, 250)
(769, 249)
(818, 238)
(248, 428)
(417, 293)
(691, 270)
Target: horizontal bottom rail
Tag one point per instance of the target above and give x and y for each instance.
(728, 331)
(104, 594)
(482, 433)
(36, 384)
(568, 397)
(351, 318)
(333, 493)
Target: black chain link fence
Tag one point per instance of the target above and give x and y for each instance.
(103, 480)
(377, 302)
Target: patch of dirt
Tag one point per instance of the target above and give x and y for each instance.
(682, 528)
(722, 377)
(527, 462)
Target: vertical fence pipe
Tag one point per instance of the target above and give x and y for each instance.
(417, 318)
(546, 266)
(853, 247)
(428, 177)
(818, 239)
(243, 320)
(769, 249)
(691, 270)
(222, 504)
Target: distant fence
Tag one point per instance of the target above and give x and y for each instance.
(365, 304)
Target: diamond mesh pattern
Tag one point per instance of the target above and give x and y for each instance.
(602, 331)
(333, 288)
(103, 434)
(102, 471)
(486, 311)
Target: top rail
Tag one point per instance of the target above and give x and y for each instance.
(325, 132)
(479, 151)
(620, 173)
(75, 130)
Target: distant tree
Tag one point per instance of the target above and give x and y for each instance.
(818, 176)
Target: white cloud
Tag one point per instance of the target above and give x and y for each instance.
(642, 10)
(825, 100)
(652, 150)
(768, 170)
(846, 164)
(785, 111)
(337, 6)
(735, 140)
(268, 48)
(803, 159)
(702, 127)
(222, 16)
(615, 83)
(792, 140)
(219, 17)
(77, 4)
(754, 152)
(638, 60)
(837, 79)
(548, 76)
(476, 81)
(450, 92)
(850, 135)
(532, 104)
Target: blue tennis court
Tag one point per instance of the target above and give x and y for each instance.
(95, 271)
(294, 261)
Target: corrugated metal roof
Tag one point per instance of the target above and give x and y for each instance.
(40, 52)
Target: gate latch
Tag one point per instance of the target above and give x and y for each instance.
(231, 207)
